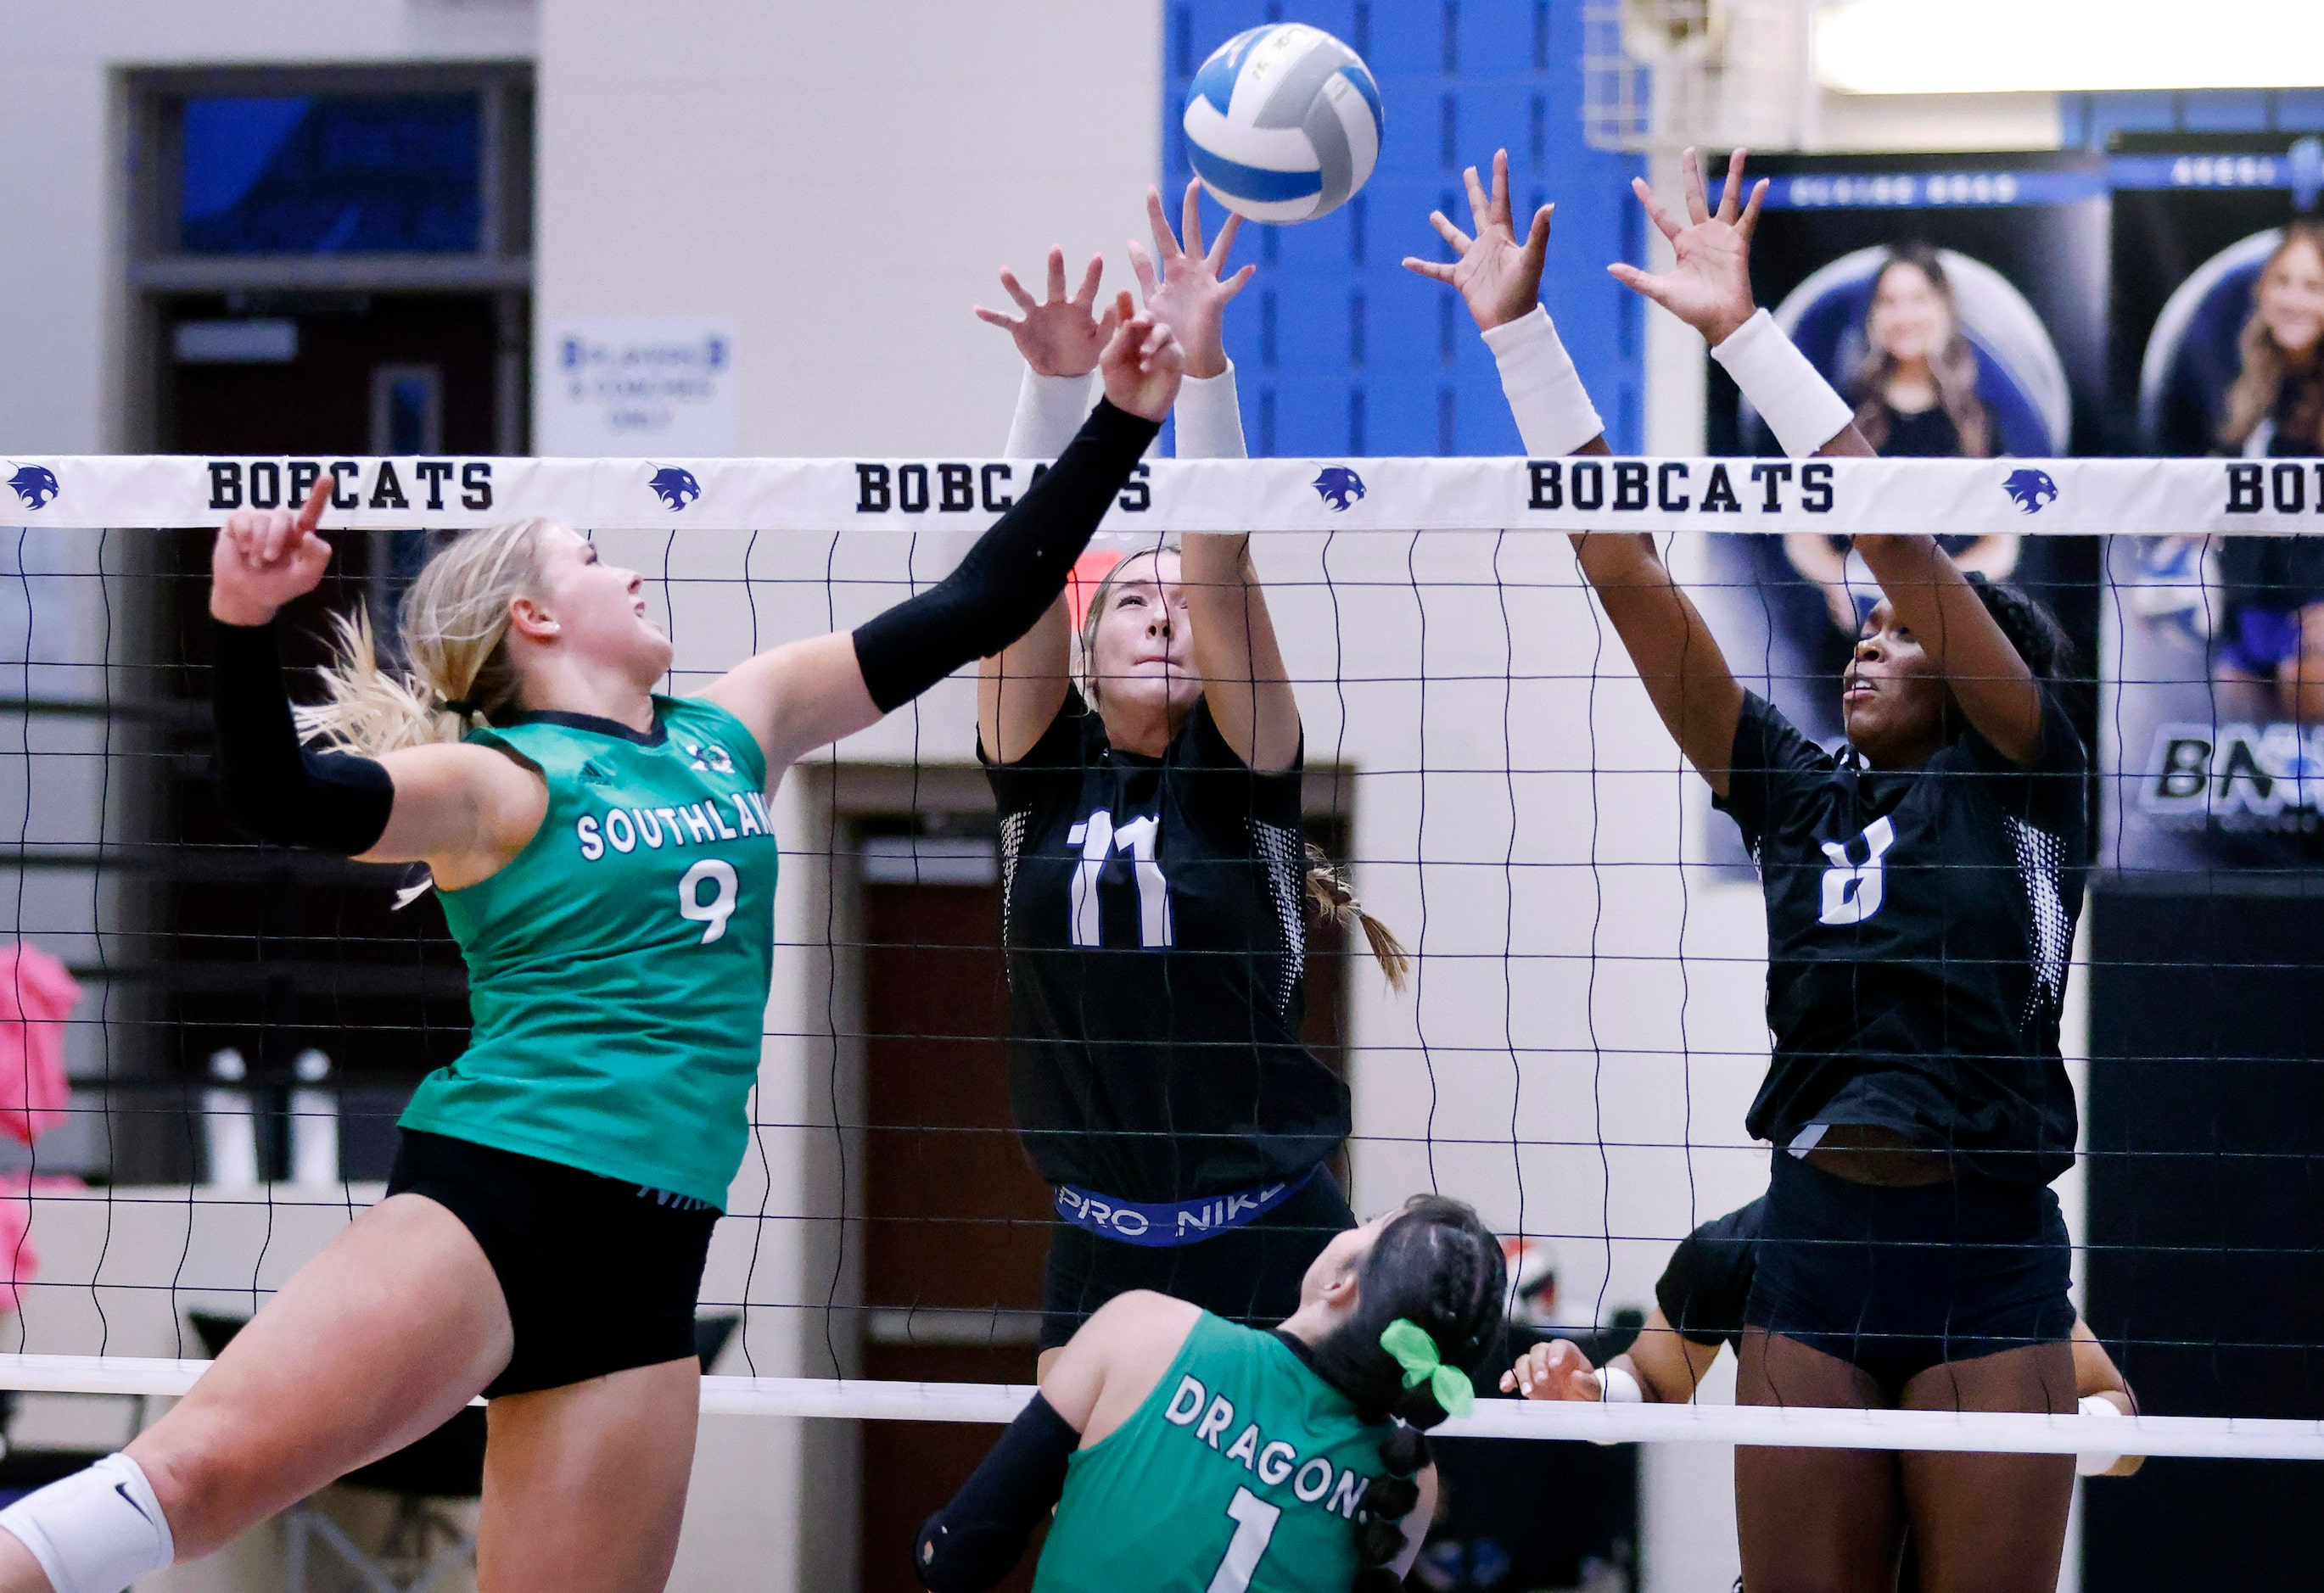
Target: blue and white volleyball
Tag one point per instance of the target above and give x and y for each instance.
(1282, 122)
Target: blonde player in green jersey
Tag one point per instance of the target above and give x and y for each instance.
(608, 865)
(1184, 1454)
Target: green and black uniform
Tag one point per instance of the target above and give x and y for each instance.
(1243, 1469)
(618, 965)
(617, 978)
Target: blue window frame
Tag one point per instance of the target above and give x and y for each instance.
(330, 174)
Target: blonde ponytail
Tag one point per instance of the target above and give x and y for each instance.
(455, 625)
(1334, 901)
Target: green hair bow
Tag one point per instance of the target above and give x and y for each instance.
(1408, 1343)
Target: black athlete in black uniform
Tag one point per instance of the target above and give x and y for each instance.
(1156, 882)
(1922, 893)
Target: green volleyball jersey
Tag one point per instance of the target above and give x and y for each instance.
(1243, 1470)
(618, 965)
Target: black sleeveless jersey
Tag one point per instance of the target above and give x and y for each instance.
(1154, 916)
(1919, 923)
(1708, 1281)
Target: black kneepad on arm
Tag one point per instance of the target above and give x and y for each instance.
(972, 1542)
(273, 788)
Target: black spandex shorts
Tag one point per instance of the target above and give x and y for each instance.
(1250, 1274)
(1901, 1280)
(599, 1276)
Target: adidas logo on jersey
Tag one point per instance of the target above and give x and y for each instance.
(593, 773)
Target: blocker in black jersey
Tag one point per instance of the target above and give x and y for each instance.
(1919, 923)
(1153, 913)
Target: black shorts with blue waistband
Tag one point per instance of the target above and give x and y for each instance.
(1249, 1274)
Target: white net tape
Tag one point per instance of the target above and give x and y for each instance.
(1794, 1427)
(1962, 497)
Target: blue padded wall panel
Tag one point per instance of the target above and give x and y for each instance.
(1339, 350)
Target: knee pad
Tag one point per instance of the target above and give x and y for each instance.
(97, 1531)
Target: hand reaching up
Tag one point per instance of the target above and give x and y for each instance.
(1059, 337)
(1709, 286)
(1499, 277)
(1186, 295)
(264, 557)
(1556, 1370)
(1142, 363)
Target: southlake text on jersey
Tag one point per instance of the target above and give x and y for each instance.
(626, 829)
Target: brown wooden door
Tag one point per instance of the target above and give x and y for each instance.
(958, 1223)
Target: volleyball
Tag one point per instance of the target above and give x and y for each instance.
(1282, 122)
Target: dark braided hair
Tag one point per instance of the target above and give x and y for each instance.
(2040, 640)
(1437, 1265)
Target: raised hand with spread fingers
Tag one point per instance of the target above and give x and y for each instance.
(1709, 285)
(1058, 335)
(1497, 275)
(1186, 293)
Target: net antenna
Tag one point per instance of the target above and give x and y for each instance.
(1660, 75)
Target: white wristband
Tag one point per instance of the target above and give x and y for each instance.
(1210, 418)
(1791, 395)
(2095, 1404)
(1554, 412)
(1049, 410)
(1618, 1387)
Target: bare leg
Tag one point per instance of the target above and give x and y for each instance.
(375, 1342)
(1991, 1523)
(1813, 1521)
(585, 1486)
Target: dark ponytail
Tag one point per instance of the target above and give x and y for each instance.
(1439, 1268)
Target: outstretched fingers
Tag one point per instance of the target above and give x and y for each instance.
(1749, 222)
(1730, 192)
(1501, 190)
(1190, 218)
(1087, 293)
(1643, 284)
(1220, 246)
(1448, 232)
(1141, 266)
(1536, 243)
(318, 498)
(1656, 211)
(1165, 242)
(1057, 274)
(1436, 271)
(1698, 199)
(1480, 208)
(1016, 290)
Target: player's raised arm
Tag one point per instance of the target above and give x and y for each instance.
(1021, 688)
(1709, 287)
(1677, 658)
(1244, 678)
(805, 693)
(461, 810)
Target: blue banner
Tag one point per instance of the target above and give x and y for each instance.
(1933, 190)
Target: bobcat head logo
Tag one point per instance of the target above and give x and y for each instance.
(1338, 486)
(2031, 489)
(35, 485)
(676, 488)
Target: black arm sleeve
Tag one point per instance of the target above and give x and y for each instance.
(1014, 573)
(972, 1542)
(274, 788)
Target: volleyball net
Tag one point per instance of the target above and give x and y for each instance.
(209, 1092)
